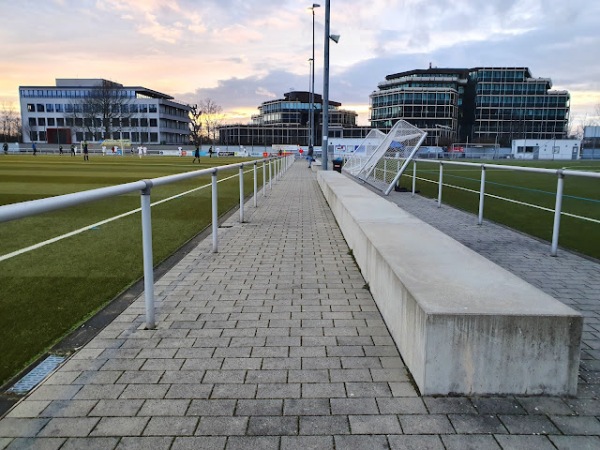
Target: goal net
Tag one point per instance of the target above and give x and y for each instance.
(382, 166)
(354, 162)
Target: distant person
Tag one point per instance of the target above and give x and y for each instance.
(196, 155)
(103, 150)
(309, 156)
(5, 148)
(140, 151)
(60, 150)
(84, 146)
(34, 148)
(179, 151)
(210, 152)
(72, 150)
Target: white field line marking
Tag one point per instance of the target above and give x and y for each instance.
(103, 222)
(543, 208)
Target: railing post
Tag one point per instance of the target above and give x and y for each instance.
(215, 213)
(147, 255)
(264, 178)
(481, 195)
(242, 194)
(270, 174)
(414, 180)
(557, 212)
(440, 185)
(255, 186)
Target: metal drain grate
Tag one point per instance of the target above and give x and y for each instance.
(33, 378)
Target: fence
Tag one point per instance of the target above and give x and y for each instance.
(559, 173)
(276, 168)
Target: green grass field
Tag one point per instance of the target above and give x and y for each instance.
(581, 197)
(46, 293)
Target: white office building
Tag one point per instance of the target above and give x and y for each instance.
(96, 110)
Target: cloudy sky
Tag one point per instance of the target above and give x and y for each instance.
(241, 53)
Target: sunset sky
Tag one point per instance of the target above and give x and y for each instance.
(241, 53)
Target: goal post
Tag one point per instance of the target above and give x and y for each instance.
(383, 166)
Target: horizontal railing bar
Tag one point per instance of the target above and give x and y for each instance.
(15, 211)
(565, 172)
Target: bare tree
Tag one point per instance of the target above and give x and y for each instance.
(211, 118)
(195, 115)
(10, 123)
(102, 111)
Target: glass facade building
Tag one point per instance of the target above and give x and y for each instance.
(60, 114)
(286, 121)
(485, 105)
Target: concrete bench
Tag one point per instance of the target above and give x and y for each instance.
(462, 324)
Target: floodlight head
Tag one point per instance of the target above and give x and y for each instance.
(335, 38)
(316, 5)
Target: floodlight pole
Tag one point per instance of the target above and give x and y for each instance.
(311, 117)
(325, 145)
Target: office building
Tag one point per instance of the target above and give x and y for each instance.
(95, 109)
(492, 105)
(286, 121)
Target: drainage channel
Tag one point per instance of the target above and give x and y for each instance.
(37, 375)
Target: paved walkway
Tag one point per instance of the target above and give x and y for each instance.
(274, 343)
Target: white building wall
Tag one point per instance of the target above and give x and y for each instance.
(546, 149)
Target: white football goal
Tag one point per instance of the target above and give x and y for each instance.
(382, 158)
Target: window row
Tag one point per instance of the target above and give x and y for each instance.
(136, 137)
(504, 74)
(510, 88)
(88, 107)
(97, 122)
(514, 127)
(521, 114)
(417, 111)
(71, 93)
(287, 106)
(509, 100)
(413, 97)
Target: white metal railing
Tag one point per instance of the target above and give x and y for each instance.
(560, 173)
(277, 166)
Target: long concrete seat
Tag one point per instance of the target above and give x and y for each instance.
(462, 324)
